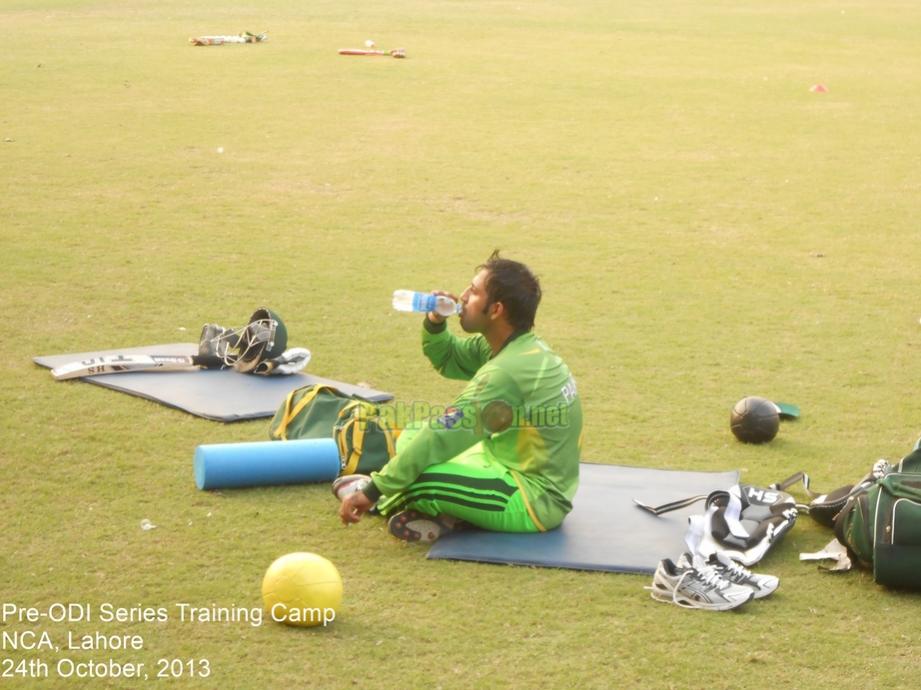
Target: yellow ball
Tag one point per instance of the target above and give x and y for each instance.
(302, 589)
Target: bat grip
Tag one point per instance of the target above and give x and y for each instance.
(208, 361)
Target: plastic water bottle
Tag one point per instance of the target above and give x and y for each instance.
(407, 300)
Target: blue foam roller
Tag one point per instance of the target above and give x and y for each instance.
(265, 463)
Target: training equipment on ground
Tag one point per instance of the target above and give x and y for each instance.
(743, 522)
(754, 420)
(604, 531)
(302, 589)
(219, 394)
(824, 508)
(364, 435)
(265, 463)
(696, 585)
(289, 362)
(397, 53)
(263, 338)
(257, 348)
(728, 569)
(245, 37)
(121, 363)
(879, 523)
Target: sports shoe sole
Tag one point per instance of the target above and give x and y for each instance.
(413, 526)
(685, 602)
(349, 484)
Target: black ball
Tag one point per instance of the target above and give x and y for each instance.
(754, 420)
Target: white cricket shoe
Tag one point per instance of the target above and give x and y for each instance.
(696, 585)
(761, 585)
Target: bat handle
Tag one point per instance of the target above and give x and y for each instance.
(208, 361)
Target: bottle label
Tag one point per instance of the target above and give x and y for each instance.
(423, 302)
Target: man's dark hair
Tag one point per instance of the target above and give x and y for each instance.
(513, 284)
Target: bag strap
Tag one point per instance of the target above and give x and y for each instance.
(356, 413)
(281, 431)
(685, 502)
(912, 461)
(794, 479)
(729, 501)
(669, 507)
(854, 502)
(350, 459)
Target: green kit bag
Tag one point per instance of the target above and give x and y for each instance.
(364, 437)
(880, 524)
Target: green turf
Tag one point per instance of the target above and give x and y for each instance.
(705, 228)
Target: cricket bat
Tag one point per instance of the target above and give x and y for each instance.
(398, 53)
(245, 37)
(117, 364)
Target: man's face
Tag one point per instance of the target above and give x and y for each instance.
(474, 317)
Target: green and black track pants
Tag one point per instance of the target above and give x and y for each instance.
(473, 487)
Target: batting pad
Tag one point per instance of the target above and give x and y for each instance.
(605, 530)
(220, 394)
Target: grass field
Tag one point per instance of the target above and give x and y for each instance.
(704, 225)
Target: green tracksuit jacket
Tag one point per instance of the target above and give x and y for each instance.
(521, 403)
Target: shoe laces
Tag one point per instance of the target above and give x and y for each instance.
(708, 576)
(737, 570)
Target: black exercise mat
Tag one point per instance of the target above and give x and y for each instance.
(223, 395)
(605, 530)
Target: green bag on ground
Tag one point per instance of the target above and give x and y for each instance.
(364, 437)
(880, 524)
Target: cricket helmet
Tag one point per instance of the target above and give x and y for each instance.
(264, 337)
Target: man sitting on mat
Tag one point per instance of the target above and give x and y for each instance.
(505, 455)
